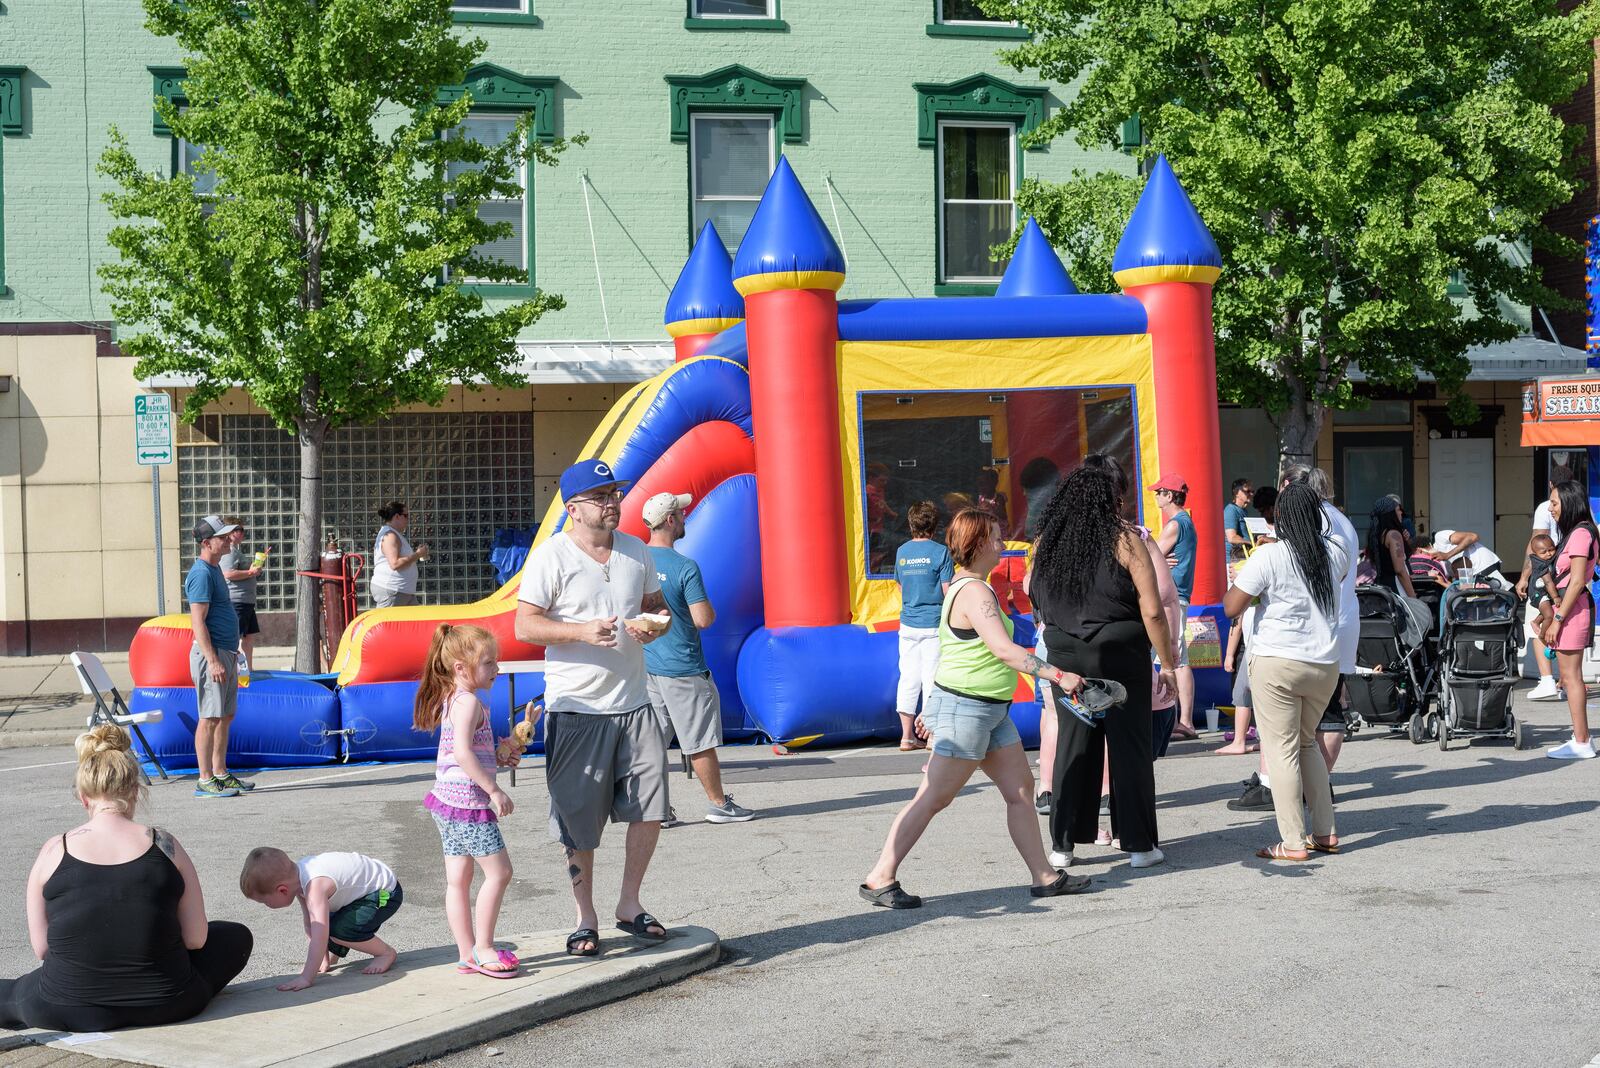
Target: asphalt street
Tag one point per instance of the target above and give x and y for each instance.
(1455, 929)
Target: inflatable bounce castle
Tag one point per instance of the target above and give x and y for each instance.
(803, 425)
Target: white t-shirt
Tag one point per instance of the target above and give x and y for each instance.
(572, 588)
(1288, 623)
(1344, 532)
(354, 875)
(1479, 557)
(1543, 523)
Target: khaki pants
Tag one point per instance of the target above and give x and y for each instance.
(1290, 697)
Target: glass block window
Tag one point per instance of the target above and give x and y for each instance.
(730, 157)
(462, 476)
(490, 128)
(976, 210)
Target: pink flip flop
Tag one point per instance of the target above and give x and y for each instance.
(502, 956)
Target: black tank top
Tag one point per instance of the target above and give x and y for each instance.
(114, 933)
(1111, 599)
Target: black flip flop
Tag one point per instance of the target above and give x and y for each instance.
(583, 934)
(639, 927)
(1063, 884)
(890, 897)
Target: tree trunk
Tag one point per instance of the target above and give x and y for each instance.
(1300, 427)
(308, 546)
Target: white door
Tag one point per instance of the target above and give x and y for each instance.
(1461, 487)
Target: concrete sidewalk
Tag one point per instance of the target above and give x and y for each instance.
(42, 704)
(421, 1009)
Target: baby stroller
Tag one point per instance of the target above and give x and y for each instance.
(1480, 638)
(1390, 684)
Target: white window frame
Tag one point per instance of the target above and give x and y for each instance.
(694, 177)
(469, 8)
(940, 202)
(527, 198)
(770, 13)
(939, 19)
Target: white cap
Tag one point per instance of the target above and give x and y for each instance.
(657, 508)
(1442, 542)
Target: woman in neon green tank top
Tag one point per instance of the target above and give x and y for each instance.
(969, 718)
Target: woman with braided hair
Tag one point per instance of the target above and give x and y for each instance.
(1093, 578)
(1294, 663)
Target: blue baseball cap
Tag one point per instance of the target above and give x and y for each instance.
(586, 475)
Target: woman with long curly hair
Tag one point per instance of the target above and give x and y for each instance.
(1294, 663)
(1093, 578)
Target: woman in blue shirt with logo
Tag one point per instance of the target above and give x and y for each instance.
(923, 569)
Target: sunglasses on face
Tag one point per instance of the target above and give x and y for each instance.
(601, 499)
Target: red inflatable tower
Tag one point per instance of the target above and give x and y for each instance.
(1167, 260)
(789, 270)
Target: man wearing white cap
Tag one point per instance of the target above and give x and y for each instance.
(1459, 549)
(213, 659)
(681, 690)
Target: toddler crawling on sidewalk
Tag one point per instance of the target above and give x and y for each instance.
(344, 899)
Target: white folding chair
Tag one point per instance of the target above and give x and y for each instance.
(109, 707)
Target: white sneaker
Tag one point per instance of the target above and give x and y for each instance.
(1146, 860)
(1545, 691)
(1060, 860)
(1572, 750)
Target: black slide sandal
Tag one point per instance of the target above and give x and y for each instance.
(583, 934)
(639, 927)
(890, 897)
(1063, 884)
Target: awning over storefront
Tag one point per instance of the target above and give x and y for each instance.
(1561, 411)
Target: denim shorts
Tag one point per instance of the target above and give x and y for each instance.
(969, 728)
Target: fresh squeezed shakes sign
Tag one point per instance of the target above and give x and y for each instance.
(1561, 411)
(1569, 398)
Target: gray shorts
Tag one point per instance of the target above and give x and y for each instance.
(1183, 635)
(604, 767)
(968, 728)
(382, 598)
(215, 700)
(690, 707)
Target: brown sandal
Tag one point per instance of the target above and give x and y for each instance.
(1282, 852)
(1315, 846)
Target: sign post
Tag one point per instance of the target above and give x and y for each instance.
(152, 447)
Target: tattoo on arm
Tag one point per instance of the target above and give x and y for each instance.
(1032, 665)
(654, 602)
(163, 841)
(574, 873)
(990, 609)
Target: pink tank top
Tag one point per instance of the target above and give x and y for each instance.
(454, 795)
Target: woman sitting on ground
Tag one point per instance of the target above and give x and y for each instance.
(969, 718)
(115, 913)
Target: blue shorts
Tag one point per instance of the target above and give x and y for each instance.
(463, 839)
(969, 728)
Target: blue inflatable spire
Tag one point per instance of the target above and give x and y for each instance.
(1165, 240)
(1035, 270)
(787, 246)
(703, 300)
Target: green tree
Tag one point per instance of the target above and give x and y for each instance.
(319, 262)
(1349, 156)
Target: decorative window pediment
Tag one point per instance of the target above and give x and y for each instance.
(738, 88)
(495, 87)
(167, 83)
(11, 99)
(982, 96)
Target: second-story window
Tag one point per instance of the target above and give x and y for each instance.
(730, 160)
(976, 187)
(967, 13)
(510, 7)
(734, 9)
(490, 128)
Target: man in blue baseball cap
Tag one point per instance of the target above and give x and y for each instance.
(584, 594)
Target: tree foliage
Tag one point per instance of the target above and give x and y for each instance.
(1351, 158)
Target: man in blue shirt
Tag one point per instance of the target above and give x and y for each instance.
(213, 659)
(1234, 530)
(1178, 541)
(681, 691)
(923, 569)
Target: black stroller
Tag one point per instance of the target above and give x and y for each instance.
(1393, 667)
(1479, 641)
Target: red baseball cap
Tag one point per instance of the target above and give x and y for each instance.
(1175, 483)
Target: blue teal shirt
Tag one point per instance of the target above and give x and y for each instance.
(921, 568)
(205, 585)
(677, 653)
(1233, 519)
(1183, 550)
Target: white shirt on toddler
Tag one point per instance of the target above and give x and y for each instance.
(354, 876)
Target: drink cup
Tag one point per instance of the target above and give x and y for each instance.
(1212, 715)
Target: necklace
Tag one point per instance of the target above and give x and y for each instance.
(605, 571)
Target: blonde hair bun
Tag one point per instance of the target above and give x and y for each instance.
(102, 738)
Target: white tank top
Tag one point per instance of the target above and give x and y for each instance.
(386, 577)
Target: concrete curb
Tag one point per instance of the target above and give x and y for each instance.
(37, 739)
(422, 1011)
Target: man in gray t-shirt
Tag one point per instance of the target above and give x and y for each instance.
(240, 572)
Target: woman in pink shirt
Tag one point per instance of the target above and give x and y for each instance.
(1571, 630)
